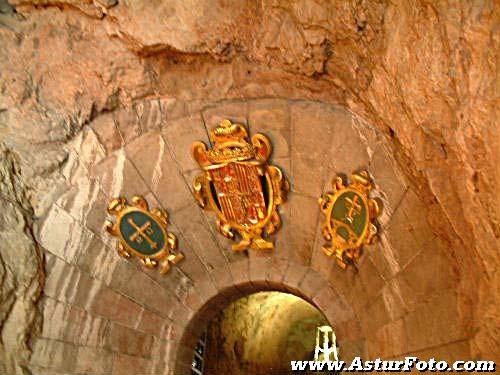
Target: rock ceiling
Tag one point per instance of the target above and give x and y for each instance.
(105, 97)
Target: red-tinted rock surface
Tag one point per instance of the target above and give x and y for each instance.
(89, 90)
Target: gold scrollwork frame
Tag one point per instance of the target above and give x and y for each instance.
(165, 256)
(230, 146)
(348, 251)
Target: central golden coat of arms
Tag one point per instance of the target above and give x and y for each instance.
(239, 185)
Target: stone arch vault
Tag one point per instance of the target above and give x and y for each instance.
(338, 313)
(102, 314)
(101, 98)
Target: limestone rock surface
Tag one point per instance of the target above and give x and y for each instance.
(81, 80)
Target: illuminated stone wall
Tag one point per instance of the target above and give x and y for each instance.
(105, 97)
(261, 334)
(111, 313)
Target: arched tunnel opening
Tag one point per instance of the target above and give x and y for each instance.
(262, 333)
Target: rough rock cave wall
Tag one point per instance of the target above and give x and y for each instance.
(424, 73)
(261, 334)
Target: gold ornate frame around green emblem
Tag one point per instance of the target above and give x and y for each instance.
(143, 233)
(350, 215)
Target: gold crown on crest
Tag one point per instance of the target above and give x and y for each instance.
(230, 143)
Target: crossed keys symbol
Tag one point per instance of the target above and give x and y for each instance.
(354, 208)
(142, 232)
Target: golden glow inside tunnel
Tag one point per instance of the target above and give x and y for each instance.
(260, 334)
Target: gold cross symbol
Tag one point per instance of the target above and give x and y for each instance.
(141, 233)
(354, 208)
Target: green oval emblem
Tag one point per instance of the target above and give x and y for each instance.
(349, 216)
(142, 233)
